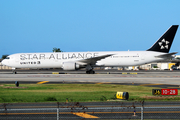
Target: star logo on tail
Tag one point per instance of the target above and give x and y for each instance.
(164, 44)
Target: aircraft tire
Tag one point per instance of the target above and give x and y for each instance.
(90, 72)
(14, 72)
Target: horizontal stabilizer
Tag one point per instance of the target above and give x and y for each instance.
(166, 55)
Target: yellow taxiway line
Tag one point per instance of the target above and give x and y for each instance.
(42, 82)
(150, 84)
(85, 115)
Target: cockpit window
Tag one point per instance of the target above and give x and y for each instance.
(7, 57)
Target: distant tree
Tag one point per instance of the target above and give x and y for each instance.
(155, 66)
(4, 56)
(57, 50)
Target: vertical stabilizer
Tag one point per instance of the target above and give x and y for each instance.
(165, 41)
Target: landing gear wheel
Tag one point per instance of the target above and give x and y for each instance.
(90, 72)
(14, 72)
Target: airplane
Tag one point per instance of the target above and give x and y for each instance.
(89, 60)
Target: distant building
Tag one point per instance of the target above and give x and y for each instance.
(177, 56)
(4, 67)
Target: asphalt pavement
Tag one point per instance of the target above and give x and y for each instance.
(95, 110)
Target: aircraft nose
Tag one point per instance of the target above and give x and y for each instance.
(4, 62)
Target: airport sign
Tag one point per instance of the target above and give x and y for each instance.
(165, 91)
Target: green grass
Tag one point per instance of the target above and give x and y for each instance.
(74, 92)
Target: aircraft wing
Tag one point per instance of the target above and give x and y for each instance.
(93, 60)
(166, 55)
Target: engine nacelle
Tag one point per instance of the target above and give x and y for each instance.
(70, 66)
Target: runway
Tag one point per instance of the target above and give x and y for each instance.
(129, 77)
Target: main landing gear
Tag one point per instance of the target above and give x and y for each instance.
(89, 70)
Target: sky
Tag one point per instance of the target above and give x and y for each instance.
(31, 26)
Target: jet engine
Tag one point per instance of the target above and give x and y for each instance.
(70, 66)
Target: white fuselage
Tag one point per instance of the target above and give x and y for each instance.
(56, 59)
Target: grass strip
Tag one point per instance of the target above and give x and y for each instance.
(74, 92)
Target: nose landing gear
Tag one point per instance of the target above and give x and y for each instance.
(14, 70)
